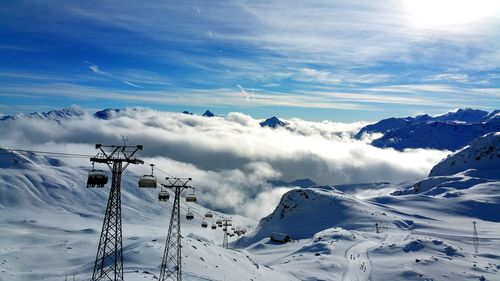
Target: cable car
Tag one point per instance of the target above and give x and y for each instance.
(97, 178)
(209, 215)
(219, 222)
(204, 224)
(224, 229)
(148, 181)
(191, 197)
(163, 196)
(231, 234)
(214, 226)
(189, 215)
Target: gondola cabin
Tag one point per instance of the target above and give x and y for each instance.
(204, 224)
(147, 181)
(191, 198)
(189, 215)
(163, 196)
(209, 215)
(214, 226)
(97, 178)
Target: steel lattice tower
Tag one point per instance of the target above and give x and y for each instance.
(171, 264)
(225, 242)
(475, 238)
(109, 260)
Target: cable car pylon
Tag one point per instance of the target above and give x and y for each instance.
(109, 259)
(225, 223)
(475, 238)
(171, 264)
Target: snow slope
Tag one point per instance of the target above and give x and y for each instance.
(481, 157)
(46, 211)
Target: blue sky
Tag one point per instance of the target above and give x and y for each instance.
(336, 60)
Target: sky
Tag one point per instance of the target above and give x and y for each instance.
(316, 60)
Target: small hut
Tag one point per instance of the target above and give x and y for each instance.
(279, 237)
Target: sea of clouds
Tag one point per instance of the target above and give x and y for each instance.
(230, 158)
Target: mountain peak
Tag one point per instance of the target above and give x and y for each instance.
(208, 113)
(106, 114)
(272, 122)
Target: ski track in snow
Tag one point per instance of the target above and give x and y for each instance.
(359, 265)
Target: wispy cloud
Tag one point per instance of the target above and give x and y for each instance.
(131, 84)
(96, 70)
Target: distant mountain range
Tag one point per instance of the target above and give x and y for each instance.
(56, 115)
(449, 131)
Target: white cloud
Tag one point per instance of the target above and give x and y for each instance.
(230, 159)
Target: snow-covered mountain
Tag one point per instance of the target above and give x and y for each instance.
(437, 135)
(272, 122)
(481, 158)
(449, 131)
(468, 180)
(55, 115)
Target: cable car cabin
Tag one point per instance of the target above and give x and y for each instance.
(232, 228)
(163, 196)
(204, 224)
(219, 222)
(147, 181)
(209, 215)
(214, 226)
(97, 178)
(191, 198)
(231, 235)
(224, 229)
(189, 215)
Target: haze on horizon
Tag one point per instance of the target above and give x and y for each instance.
(316, 60)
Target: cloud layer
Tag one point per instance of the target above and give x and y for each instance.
(230, 158)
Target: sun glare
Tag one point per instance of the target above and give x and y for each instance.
(438, 13)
